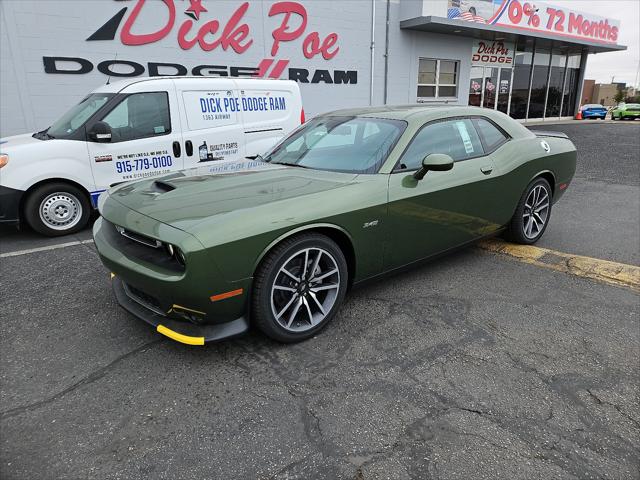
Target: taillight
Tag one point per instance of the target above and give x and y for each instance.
(302, 119)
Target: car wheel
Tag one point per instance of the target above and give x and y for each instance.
(532, 214)
(299, 287)
(613, 117)
(56, 209)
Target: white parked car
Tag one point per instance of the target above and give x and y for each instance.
(138, 129)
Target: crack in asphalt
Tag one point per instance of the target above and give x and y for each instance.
(87, 380)
(599, 401)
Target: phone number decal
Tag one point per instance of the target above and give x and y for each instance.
(140, 164)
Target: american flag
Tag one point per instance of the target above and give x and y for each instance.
(470, 17)
(456, 14)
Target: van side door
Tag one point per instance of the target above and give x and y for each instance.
(145, 137)
(270, 110)
(211, 118)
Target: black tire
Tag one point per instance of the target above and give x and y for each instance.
(72, 200)
(516, 228)
(613, 117)
(261, 302)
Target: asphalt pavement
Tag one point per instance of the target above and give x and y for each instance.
(472, 366)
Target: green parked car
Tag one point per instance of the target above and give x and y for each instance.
(350, 195)
(624, 111)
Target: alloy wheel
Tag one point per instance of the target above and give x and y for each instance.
(536, 211)
(305, 289)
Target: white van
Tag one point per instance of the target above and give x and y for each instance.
(137, 129)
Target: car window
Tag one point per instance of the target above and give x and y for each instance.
(492, 136)
(140, 115)
(456, 138)
(340, 144)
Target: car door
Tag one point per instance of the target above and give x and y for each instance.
(145, 138)
(444, 209)
(211, 119)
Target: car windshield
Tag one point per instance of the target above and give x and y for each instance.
(592, 105)
(632, 106)
(75, 118)
(340, 144)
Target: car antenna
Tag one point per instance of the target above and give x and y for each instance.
(114, 61)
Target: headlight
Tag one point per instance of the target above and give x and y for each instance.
(4, 159)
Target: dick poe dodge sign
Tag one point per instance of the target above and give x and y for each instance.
(204, 25)
(492, 54)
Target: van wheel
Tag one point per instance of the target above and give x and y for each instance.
(56, 209)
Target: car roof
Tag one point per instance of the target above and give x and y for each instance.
(418, 115)
(411, 112)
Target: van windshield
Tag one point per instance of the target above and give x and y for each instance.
(339, 144)
(75, 118)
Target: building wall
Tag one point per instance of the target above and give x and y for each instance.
(604, 93)
(587, 91)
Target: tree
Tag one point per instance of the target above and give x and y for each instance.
(619, 96)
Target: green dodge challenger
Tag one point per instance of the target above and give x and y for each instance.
(626, 110)
(278, 240)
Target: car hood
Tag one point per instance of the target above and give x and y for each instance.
(187, 198)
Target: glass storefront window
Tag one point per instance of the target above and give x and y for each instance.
(539, 82)
(556, 80)
(571, 86)
(475, 86)
(521, 75)
(490, 87)
(504, 86)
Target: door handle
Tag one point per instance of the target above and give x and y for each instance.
(176, 149)
(188, 146)
(487, 169)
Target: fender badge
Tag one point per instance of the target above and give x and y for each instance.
(545, 146)
(373, 223)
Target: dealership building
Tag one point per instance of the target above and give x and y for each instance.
(523, 59)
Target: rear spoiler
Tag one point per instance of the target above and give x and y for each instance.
(545, 133)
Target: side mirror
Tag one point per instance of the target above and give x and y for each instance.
(100, 132)
(437, 162)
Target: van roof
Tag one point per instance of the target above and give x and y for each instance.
(115, 87)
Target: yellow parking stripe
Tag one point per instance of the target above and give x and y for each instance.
(178, 337)
(613, 273)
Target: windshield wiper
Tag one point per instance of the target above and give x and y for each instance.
(290, 164)
(43, 135)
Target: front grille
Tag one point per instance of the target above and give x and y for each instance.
(144, 299)
(140, 247)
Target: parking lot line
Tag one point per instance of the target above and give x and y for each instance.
(602, 270)
(44, 249)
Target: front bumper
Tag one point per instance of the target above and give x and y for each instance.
(178, 330)
(10, 205)
(193, 302)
